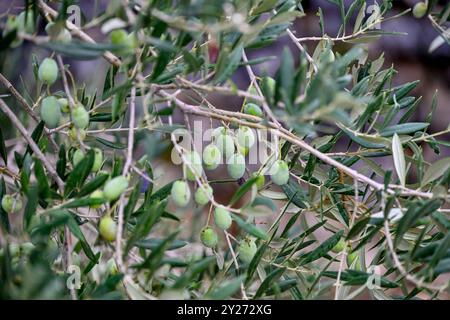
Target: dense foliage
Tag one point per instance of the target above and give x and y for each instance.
(343, 205)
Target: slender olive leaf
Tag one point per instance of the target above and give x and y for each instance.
(357, 228)
(227, 63)
(31, 206)
(3, 152)
(110, 144)
(281, 287)
(321, 250)
(153, 243)
(290, 224)
(399, 159)
(250, 228)
(83, 202)
(372, 142)
(225, 291)
(194, 270)
(36, 136)
(268, 281)
(354, 277)
(415, 212)
(153, 260)
(76, 178)
(253, 265)
(145, 223)
(294, 247)
(436, 170)
(243, 189)
(42, 179)
(263, 6)
(404, 128)
(440, 251)
(61, 163)
(132, 201)
(93, 184)
(79, 49)
(402, 91)
(295, 193)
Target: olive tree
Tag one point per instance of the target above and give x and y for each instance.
(331, 194)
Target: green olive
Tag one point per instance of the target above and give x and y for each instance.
(222, 218)
(225, 143)
(356, 265)
(339, 246)
(253, 109)
(26, 22)
(218, 131)
(208, 237)
(48, 71)
(420, 9)
(268, 87)
(11, 204)
(115, 187)
(180, 193)
(127, 42)
(211, 156)
(58, 32)
(194, 161)
(97, 194)
(260, 180)
(80, 117)
(108, 229)
(236, 166)
(50, 111)
(245, 137)
(77, 156)
(74, 132)
(98, 160)
(201, 196)
(279, 173)
(111, 267)
(64, 105)
(247, 250)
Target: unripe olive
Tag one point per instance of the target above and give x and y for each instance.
(77, 156)
(108, 229)
(50, 111)
(97, 194)
(80, 117)
(11, 204)
(268, 87)
(12, 23)
(64, 105)
(351, 259)
(25, 21)
(201, 196)
(236, 166)
(127, 41)
(420, 9)
(26, 248)
(74, 132)
(48, 71)
(98, 160)
(58, 32)
(222, 218)
(209, 237)
(253, 109)
(218, 131)
(245, 137)
(181, 194)
(194, 161)
(115, 187)
(339, 246)
(225, 143)
(260, 180)
(247, 250)
(211, 156)
(111, 267)
(242, 150)
(279, 173)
